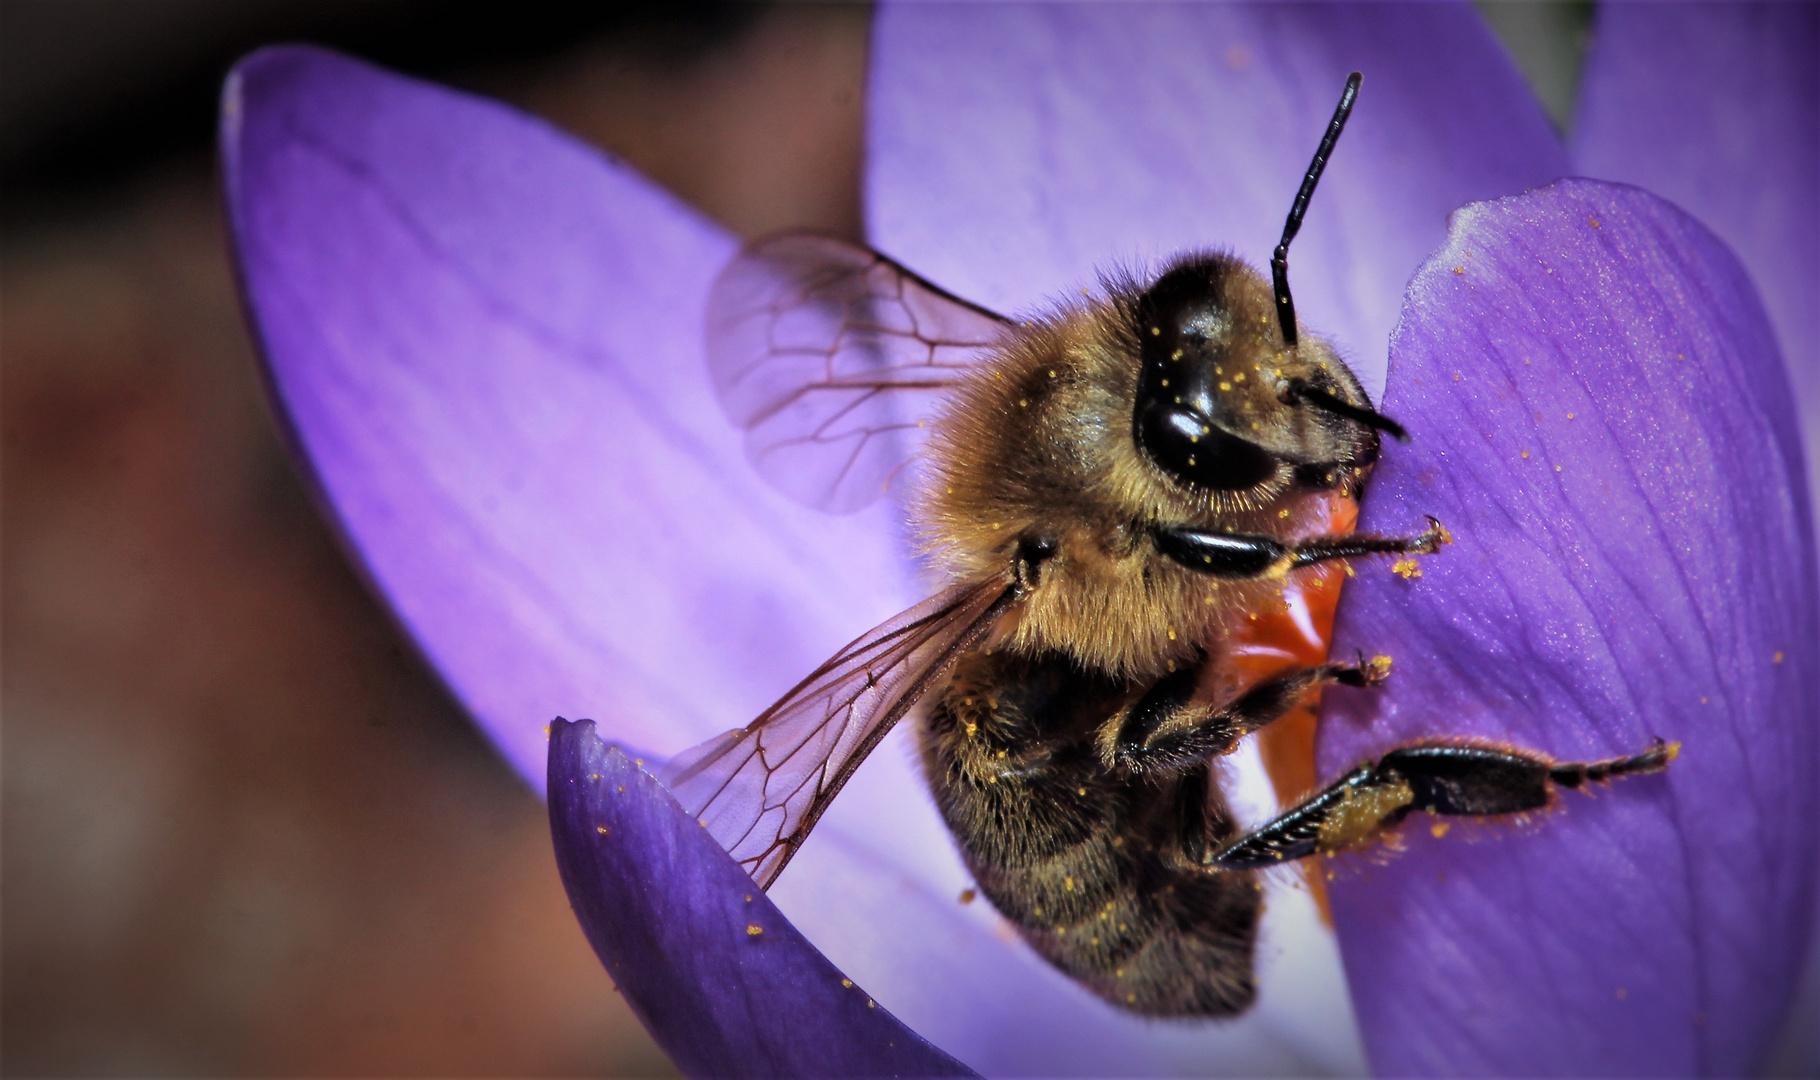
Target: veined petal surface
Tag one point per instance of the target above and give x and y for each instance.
(1716, 108)
(1601, 416)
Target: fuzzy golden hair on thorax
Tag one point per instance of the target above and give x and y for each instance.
(1038, 441)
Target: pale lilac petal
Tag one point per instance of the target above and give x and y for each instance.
(1017, 150)
(486, 339)
(1601, 416)
(1716, 107)
(722, 981)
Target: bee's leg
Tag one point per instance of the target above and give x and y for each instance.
(1477, 781)
(1230, 555)
(1168, 728)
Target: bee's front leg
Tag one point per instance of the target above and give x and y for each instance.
(1169, 729)
(1236, 555)
(1441, 778)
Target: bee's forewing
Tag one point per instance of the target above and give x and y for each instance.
(760, 789)
(833, 358)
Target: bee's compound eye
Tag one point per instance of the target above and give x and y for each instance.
(1189, 447)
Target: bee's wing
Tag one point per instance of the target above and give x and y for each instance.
(832, 358)
(760, 789)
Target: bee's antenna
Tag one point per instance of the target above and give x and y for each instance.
(1299, 392)
(1279, 263)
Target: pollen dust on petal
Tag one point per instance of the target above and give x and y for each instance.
(1406, 569)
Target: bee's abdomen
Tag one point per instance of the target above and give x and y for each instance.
(1102, 875)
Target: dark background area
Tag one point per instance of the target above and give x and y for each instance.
(245, 829)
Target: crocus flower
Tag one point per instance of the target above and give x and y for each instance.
(485, 339)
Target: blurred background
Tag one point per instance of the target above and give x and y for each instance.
(245, 829)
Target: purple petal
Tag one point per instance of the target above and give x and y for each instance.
(1600, 415)
(485, 338)
(723, 982)
(1015, 151)
(1716, 107)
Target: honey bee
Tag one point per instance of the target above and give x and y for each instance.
(1117, 490)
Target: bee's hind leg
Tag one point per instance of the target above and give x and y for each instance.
(1167, 729)
(1477, 781)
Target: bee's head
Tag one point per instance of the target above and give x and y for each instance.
(1223, 403)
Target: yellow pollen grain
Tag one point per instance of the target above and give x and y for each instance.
(972, 728)
(638, 761)
(1172, 634)
(546, 730)
(996, 524)
(753, 929)
(1023, 403)
(846, 984)
(969, 895)
(921, 423)
(603, 830)
(748, 898)
(1156, 331)
(1456, 376)
(1570, 416)
(1052, 373)
(1191, 461)
(1240, 377)
(870, 1004)
(1068, 884)
(594, 776)
(1776, 659)
(1439, 829)
(1525, 455)
(1459, 269)
(1282, 513)
(1130, 998)
(1594, 222)
(1082, 791)
(703, 822)
(622, 789)
(1225, 385)
(1176, 355)
(1165, 382)
(1406, 569)
(1702, 701)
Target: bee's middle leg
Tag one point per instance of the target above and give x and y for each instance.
(1168, 729)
